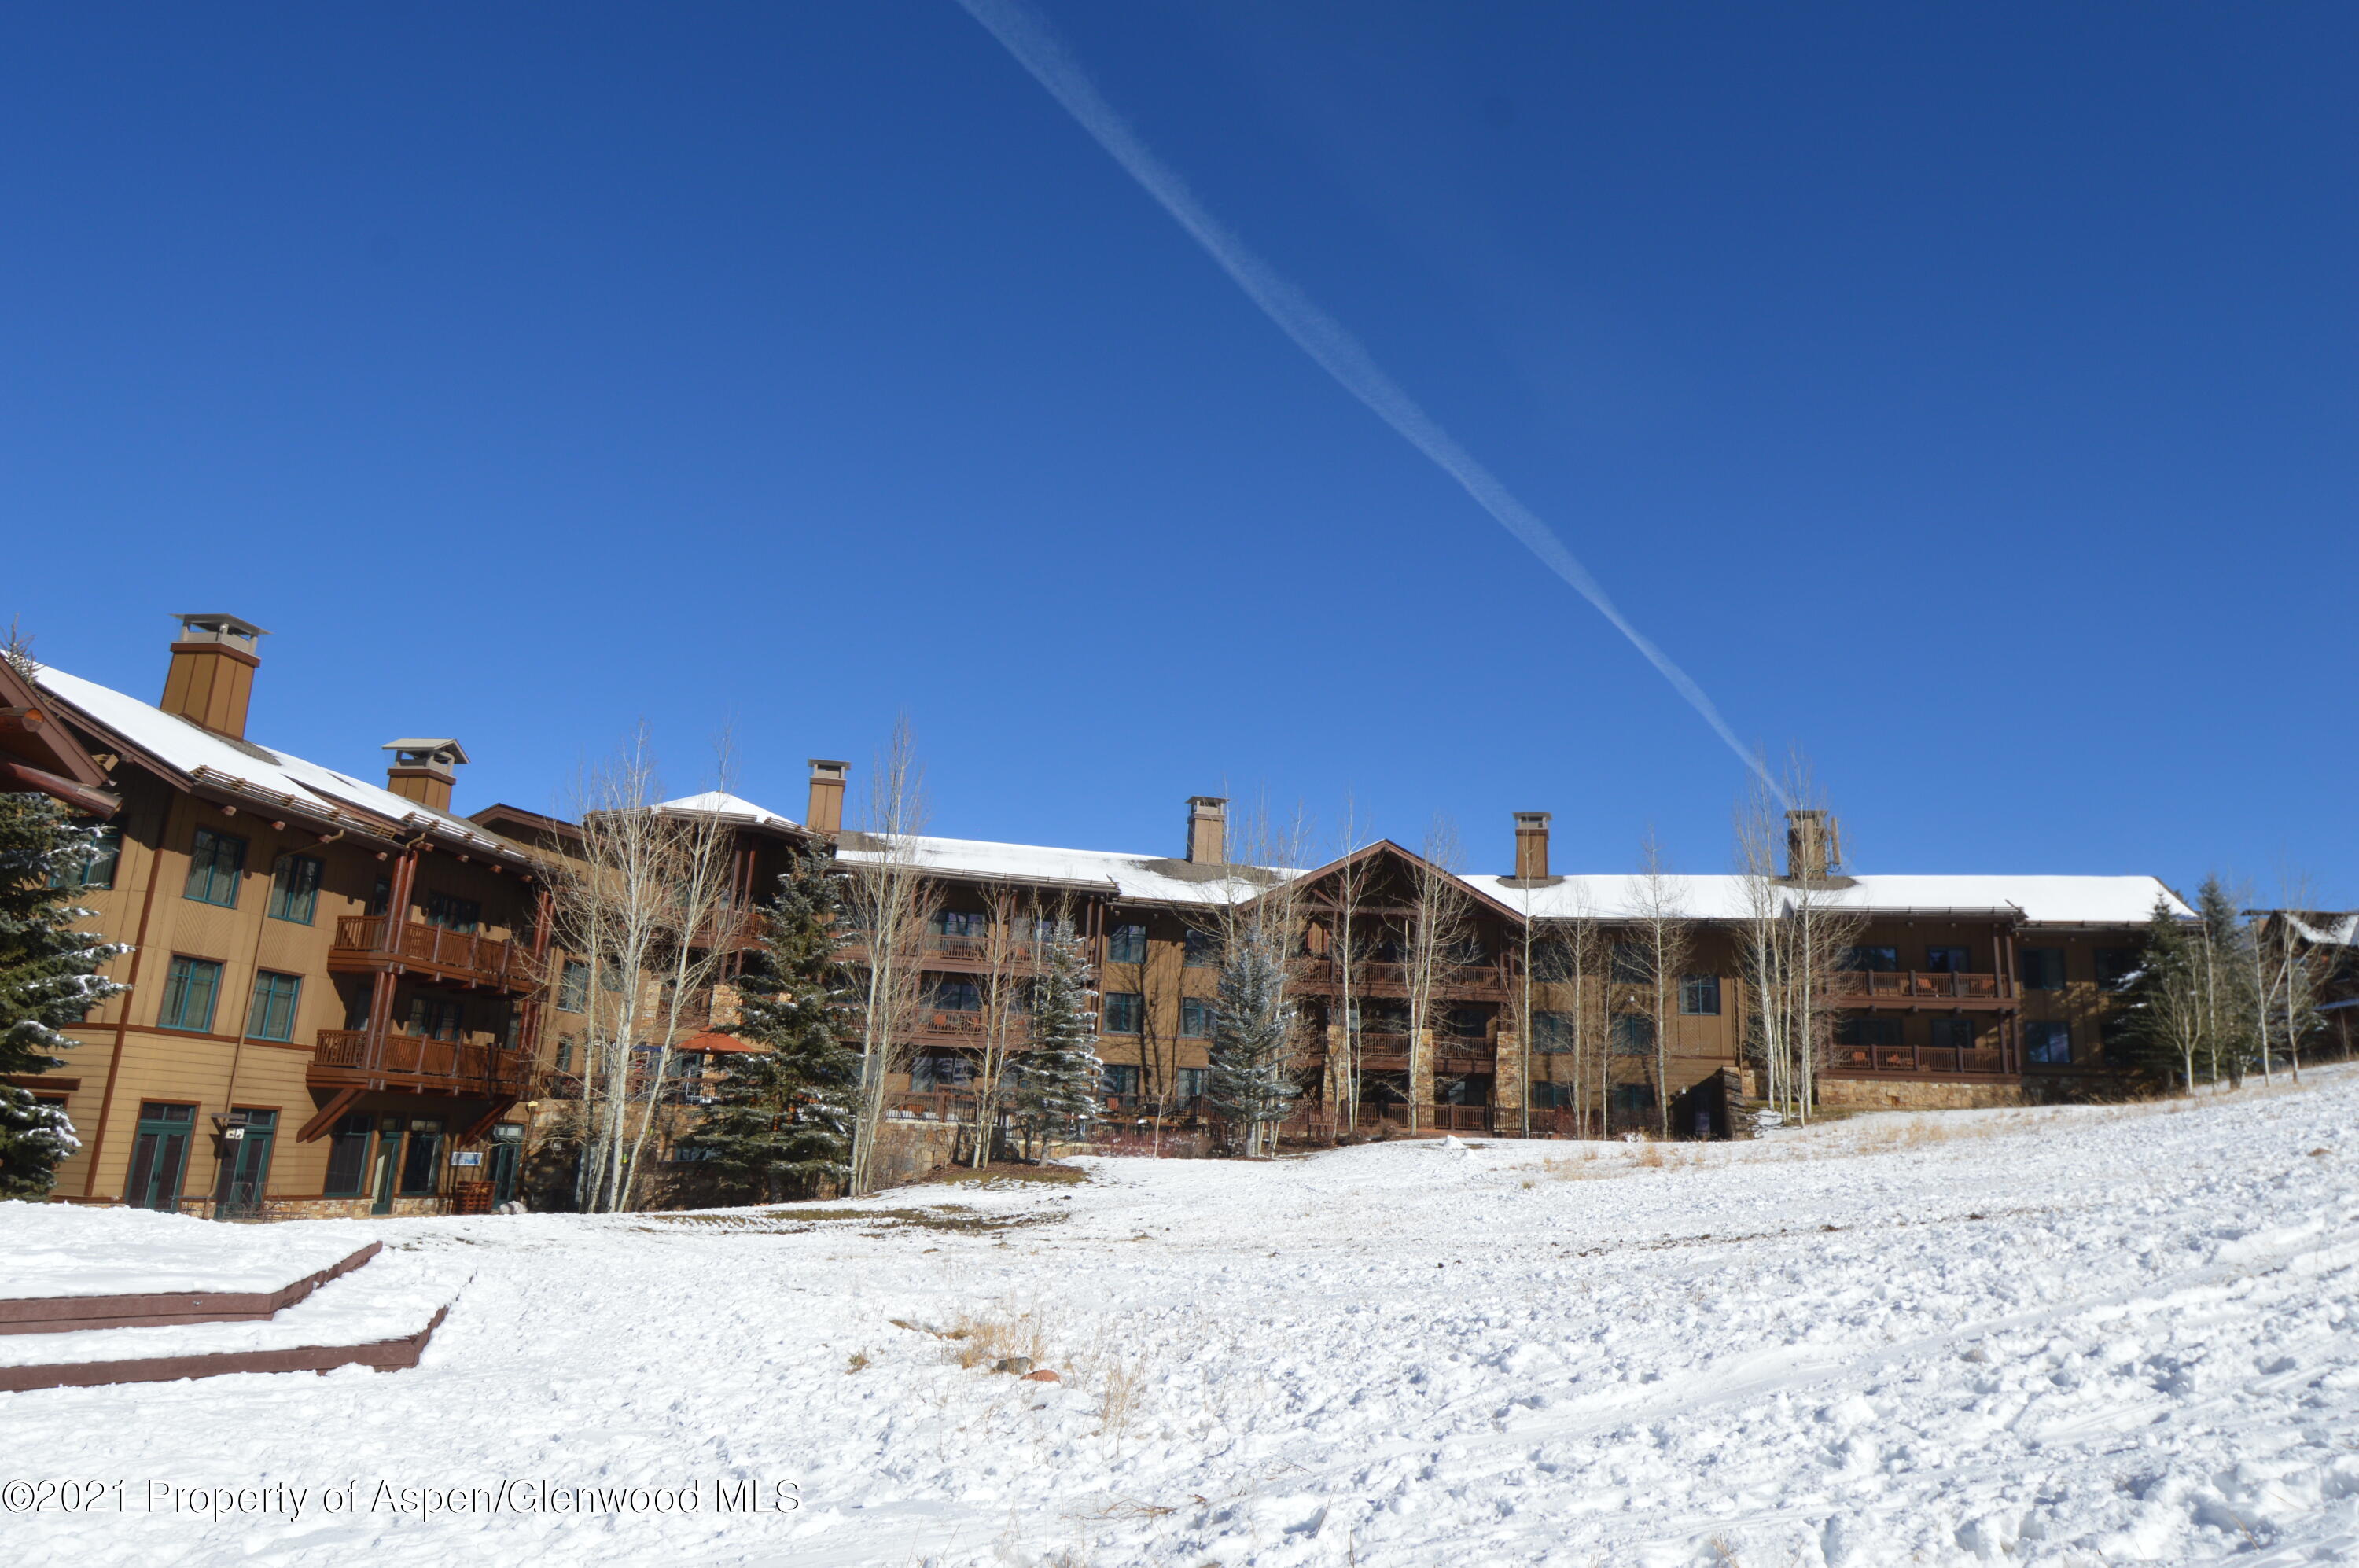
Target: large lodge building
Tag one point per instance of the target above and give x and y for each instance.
(344, 997)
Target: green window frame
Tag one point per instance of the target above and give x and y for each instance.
(295, 889)
(1196, 1016)
(191, 987)
(450, 913)
(1124, 1009)
(1126, 943)
(573, 988)
(421, 1170)
(271, 1014)
(2043, 968)
(1631, 1034)
(216, 862)
(1200, 949)
(98, 869)
(1700, 996)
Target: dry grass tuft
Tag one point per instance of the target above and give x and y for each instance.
(991, 1337)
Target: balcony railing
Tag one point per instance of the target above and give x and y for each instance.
(1917, 985)
(1919, 1058)
(462, 955)
(343, 1057)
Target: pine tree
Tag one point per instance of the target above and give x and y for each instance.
(2232, 1003)
(2162, 1005)
(781, 1124)
(48, 979)
(1248, 1082)
(1057, 1077)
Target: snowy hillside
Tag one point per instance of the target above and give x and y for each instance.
(2073, 1337)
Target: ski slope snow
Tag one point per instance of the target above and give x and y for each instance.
(2065, 1337)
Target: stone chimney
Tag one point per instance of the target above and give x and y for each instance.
(1813, 847)
(212, 676)
(825, 813)
(1531, 846)
(1208, 829)
(424, 770)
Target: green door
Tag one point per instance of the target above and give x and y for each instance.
(245, 1163)
(389, 1156)
(159, 1156)
(507, 1148)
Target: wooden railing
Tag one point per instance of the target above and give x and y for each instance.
(481, 959)
(1917, 1059)
(451, 1066)
(1917, 985)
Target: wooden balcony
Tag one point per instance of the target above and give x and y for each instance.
(342, 1059)
(461, 958)
(1909, 990)
(1918, 1061)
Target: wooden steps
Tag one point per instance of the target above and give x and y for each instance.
(64, 1314)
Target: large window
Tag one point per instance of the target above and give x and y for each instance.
(1200, 949)
(215, 861)
(1196, 1016)
(573, 988)
(192, 986)
(418, 1156)
(295, 889)
(1628, 964)
(2043, 969)
(1953, 1034)
(1193, 1081)
(954, 993)
(962, 922)
(1467, 1020)
(1126, 945)
(437, 1017)
(98, 871)
(1946, 961)
(1124, 1010)
(2118, 966)
(1633, 1034)
(1865, 1029)
(271, 1014)
(453, 914)
(2047, 1041)
(1117, 1078)
(1700, 995)
(1551, 1031)
(1633, 1099)
(1875, 960)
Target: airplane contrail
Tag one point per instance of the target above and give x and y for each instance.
(1039, 52)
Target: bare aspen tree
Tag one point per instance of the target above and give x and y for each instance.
(1439, 927)
(1579, 945)
(1349, 941)
(1763, 939)
(890, 900)
(2291, 984)
(1665, 934)
(1010, 953)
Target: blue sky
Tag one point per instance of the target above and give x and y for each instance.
(1962, 395)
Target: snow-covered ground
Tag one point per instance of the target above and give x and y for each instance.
(2074, 1337)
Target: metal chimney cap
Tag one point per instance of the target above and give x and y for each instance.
(219, 622)
(443, 749)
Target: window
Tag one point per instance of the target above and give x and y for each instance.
(1700, 995)
(98, 870)
(418, 1156)
(1628, 964)
(1633, 1099)
(2118, 966)
(1552, 1031)
(1196, 1016)
(1633, 1034)
(1118, 1078)
(962, 922)
(1200, 949)
(215, 861)
(295, 889)
(2043, 969)
(1946, 961)
(192, 985)
(1551, 960)
(931, 1073)
(1552, 1096)
(565, 1053)
(2117, 1041)
(1192, 1080)
(1875, 960)
(573, 988)
(1126, 945)
(953, 994)
(437, 1017)
(1467, 1020)
(1124, 1009)
(1862, 1029)
(271, 1014)
(2047, 1041)
(452, 913)
(380, 896)
(1953, 1034)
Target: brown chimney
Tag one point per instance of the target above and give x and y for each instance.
(1531, 846)
(1813, 847)
(424, 770)
(1208, 829)
(825, 813)
(212, 676)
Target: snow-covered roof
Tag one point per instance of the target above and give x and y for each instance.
(2056, 900)
(1146, 877)
(721, 803)
(2326, 931)
(244, 767)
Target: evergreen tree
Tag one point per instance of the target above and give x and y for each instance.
(1057, 1077)
(2162, 1005)
(1249, 1084)
(2232, 1003)
(781, 1122)
(48, 979)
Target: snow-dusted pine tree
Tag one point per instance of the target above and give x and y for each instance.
(782, 1123)
(1249, 1084)
(49, 978)
(1056, 1078)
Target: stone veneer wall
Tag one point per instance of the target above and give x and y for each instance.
(1905, 1094)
